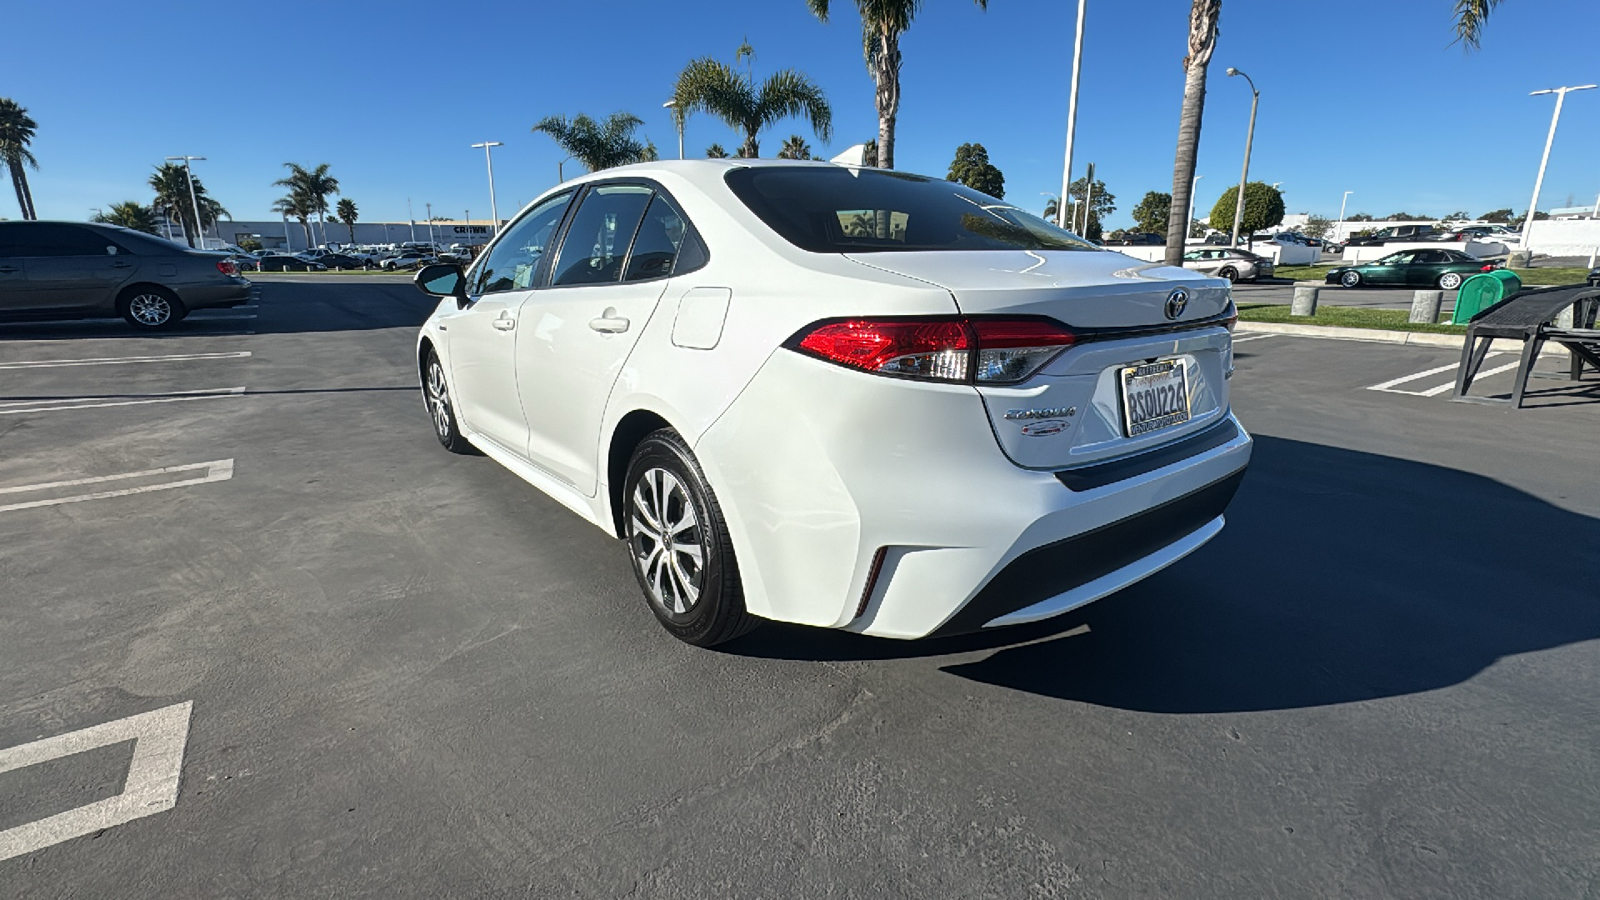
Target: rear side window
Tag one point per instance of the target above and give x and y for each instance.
(832, 209)
(601, 232)
(660, 240)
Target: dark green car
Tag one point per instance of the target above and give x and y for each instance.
(1412, 268)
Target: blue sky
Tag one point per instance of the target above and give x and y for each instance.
(1362, 95)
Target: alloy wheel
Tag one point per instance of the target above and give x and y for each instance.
(151, 310)
(439, 400)
(665, 535)
(1350, 279)
(1450, 281)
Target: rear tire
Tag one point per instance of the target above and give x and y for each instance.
(1449, 281)
(679, 544)
(151, 308)
(1230, 273)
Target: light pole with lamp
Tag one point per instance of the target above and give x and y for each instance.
(494, 208)
(560, 171)
(1555, 118)
(199, 231)
(1072, 117)
(431, 239)
(1249, 138)
(677, 119)
(1338, 232)
(411, 217)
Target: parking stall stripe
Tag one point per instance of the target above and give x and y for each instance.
(1451, 385)
(1388, 385)
(215, 470)
(70, 403)
(119, 360)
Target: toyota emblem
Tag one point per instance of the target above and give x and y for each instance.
(1177, 301)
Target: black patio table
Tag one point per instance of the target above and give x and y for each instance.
(1527, 316)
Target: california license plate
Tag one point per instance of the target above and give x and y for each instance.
(1154, 396)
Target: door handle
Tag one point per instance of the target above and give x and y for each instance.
(505, 324)
(121, 265)
(609, 322)
(9, 269)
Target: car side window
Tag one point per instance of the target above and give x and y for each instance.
(52, 239)
(601, 232)
(510, 265)
(655, 249)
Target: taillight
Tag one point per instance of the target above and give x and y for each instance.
(954, 349)
(226, 267)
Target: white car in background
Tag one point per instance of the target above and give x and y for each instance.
(839, 396)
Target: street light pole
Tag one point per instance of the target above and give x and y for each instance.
(1249, 138)
(560, 172)
(429, 208)
(1338, 232)
(1072, 117)
(1189, 225)
(494, 208)
(194, 204)
(412, 218)
(1555, 118)
(677, 119)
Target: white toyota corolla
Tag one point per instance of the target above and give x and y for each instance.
(843, 397)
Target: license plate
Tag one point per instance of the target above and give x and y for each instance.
(1154, 396)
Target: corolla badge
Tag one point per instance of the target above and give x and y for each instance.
(1177, 301)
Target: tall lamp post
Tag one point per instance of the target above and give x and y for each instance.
(494, 209)
(199, 232)
(1555, 118)
(431, 239)
(1072, 117)
(560, 171)
(1189, 225)
(677, 119)
(1338, 233)
(1249, 138)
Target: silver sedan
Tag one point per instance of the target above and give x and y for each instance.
(1229, 262)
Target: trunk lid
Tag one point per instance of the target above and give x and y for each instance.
(1072, 412)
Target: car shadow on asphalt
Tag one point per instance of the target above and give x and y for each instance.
(1342, 576)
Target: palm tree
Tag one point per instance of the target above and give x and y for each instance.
(16, 133)
(598, 145)
(347, 214)
(1202, 41)
(882, 23)
(715, 151)
(296, 206)
(130, 214)
(171, 182)
(1471, 16)
(313, 186)
(795, 148)
(718, 89)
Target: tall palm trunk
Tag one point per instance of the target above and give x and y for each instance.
(22, 194)
(1202, 41)
(751, 148)
(886, 95)
(27, 193)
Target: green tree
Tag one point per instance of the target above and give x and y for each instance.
(1394, 217)
(171, 182)
(1263, 207)
(598, 145)
(795, 147)
(296, 207)
(313, 186)
(130, 214)
(1153, 211)
(1101, 204)
(1317, 226)
(715, 151)
(972, 168)
(882, 23)
(348, 214)
(16, 133)
(1500, 216)
(1358, 217)
(1471, 16)
(717, 88)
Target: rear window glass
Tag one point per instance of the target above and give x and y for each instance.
(838, 210)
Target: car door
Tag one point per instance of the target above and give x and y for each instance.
(609, 274)
(73, 268)
(481, 337)
(14, 293)
(1390, 269)
(1425, 267)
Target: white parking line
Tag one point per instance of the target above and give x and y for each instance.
(215, 470)
(1388, 387)
(119, 360)
(159, 737)
(1450, 386)
(1251, 336)
(17, 407)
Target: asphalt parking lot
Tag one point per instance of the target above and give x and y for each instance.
(369, 668)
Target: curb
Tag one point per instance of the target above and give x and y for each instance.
(1374, 335)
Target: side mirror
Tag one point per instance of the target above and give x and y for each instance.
(443, 280)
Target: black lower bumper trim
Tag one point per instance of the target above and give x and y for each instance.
(1101, 474)
(1055, 568)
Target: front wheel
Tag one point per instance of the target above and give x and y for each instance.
(1350, 279)
(679, 544)
(436, 393)
(1450, 281)
(151, 309)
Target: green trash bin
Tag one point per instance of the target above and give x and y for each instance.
(1482, 291)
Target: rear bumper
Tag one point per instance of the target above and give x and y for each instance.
(214, 296)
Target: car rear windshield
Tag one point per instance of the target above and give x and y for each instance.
(831, 209)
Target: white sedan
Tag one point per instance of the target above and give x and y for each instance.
(842, 397)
